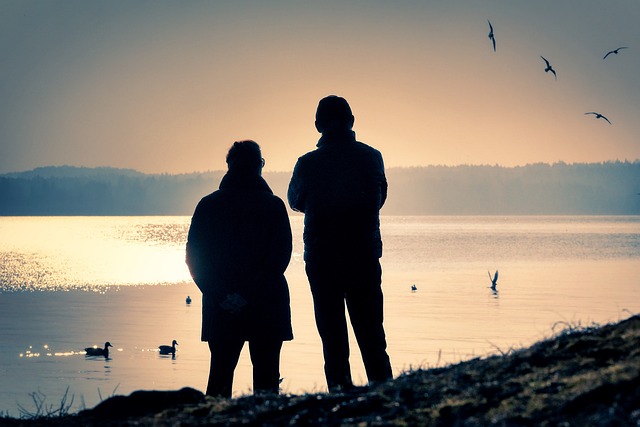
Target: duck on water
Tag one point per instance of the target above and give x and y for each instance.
(95, 351)
(169, 349)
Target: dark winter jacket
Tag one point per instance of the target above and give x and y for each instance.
(238, 249)
(340, 187)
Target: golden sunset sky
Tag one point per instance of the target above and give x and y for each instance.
(167, 86)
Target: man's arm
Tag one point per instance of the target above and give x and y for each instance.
(383, 184)
(295, 194)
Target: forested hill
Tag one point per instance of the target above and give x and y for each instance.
(537, 189)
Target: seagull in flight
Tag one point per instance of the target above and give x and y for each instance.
(494, 280)
(615, 51)
(491, 36)
(549, 68)
(598, 116)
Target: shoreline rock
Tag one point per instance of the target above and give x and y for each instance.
(581, 376)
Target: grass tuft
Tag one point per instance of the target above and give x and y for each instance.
(45, 410)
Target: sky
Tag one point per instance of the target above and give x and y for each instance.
(168, 86)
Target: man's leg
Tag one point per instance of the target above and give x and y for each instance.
(328, 303)
(265, 357)
(225, 353)
(365, 305)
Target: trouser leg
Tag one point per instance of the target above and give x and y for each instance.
(328, 303)
(224, 359)
(265, 358)
(365, 304)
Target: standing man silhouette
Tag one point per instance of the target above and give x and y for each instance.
(340, 187)
(238, 248)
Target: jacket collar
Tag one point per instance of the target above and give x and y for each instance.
(235, 181)
(336, 137)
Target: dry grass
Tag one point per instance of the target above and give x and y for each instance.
(582, 375)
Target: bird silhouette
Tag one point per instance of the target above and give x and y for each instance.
(549, 68)
(169, 349)
(494, 280)
(491, 36)
(598, 116)
(614, 51)
(94, 351)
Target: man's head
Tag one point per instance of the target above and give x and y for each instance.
(244, 157)
(333, 114)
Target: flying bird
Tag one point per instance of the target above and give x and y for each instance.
(169, 349)
(615, 51)
(94, 351)
(598, 116)
(491, 36)
(494, 280)
(549, 68)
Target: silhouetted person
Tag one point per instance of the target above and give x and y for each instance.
(341, 187)
(238, 248)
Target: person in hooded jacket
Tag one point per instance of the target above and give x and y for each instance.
(239, 246)
(340, 187)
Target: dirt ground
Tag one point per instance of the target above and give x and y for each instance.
(582, 376)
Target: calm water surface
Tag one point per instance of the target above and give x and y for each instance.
(71, 282)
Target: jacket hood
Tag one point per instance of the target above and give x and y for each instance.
(235, 181)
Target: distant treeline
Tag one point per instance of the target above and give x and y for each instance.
(539, 189)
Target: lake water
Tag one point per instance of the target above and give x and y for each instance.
(71, 282)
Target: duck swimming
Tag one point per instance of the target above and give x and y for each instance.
(93, 351)
(169, 349)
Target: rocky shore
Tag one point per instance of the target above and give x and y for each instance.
(582, 376)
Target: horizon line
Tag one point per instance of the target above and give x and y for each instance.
(114, 168)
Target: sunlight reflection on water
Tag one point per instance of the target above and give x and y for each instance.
(552, 269)
(47, 352)
(62, 253)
